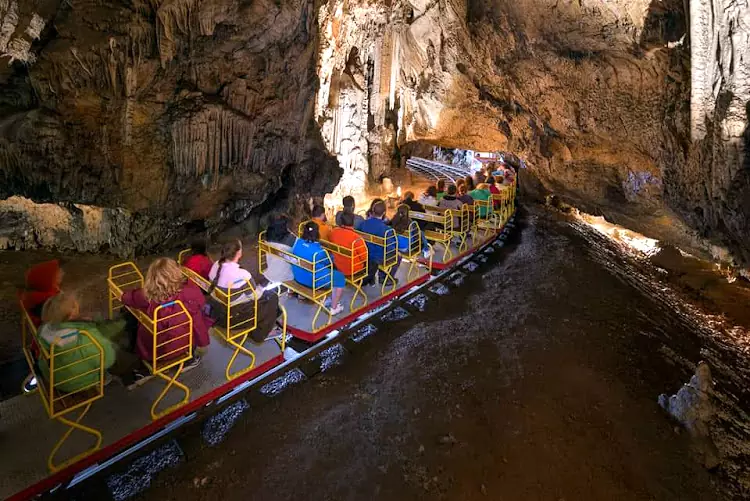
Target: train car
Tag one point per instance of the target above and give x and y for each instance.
(68, 432)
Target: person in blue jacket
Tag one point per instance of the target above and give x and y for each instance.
(375, 225)
(308, 248)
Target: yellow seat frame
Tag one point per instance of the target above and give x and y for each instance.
(235, 334)
(389, 244)
(444, 220)
(317, 294)
(57, 403)
(414, 251)
(127, 275)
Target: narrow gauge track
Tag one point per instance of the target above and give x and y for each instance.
(89, 478)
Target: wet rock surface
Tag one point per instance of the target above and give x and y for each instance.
(535, 380)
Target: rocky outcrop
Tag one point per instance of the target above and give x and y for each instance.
(187, 114)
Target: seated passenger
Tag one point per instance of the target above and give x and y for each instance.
(463, 195)
(227, 275)
(429, 197)
(494, 190)
(479, 178)
(401, 223)
(319, 218)
(308, 248)
(42, 282)
(469, 183)
(374, 225)
(411, 203)
(76, 368)
(198, 261)
(348, 203)
(164, 283)
(440, 189)
(279, 269)
(345, 236)
(482, 194)
(450, 200)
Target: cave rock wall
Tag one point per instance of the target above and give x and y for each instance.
(187, 114)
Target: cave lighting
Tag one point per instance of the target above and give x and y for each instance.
(398, 192)
(635, 241)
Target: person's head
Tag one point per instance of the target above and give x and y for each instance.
(198, 247)
(469, 183)
(441, 185)
(231, 252)
(409, 195)
(348, 203)
(491, 180)
(483, 186)
(431, 192)
(451, 190)
(310, 232)
(46, 276)
(278, 229)
(60, 308)
(480, 177)
(319, 213)
(400, 221)
(460, 182)
(378, 209)
(462, 190)
(347, 219)
(164, 280)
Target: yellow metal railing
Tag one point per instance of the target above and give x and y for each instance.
(356, 255)
(389, 244)
(63, 390)
(442, 233)
(163, 356)
(414, 250)
(321, 268)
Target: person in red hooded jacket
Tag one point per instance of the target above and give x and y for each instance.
(42, 282)
(198, 260)
(165, 283)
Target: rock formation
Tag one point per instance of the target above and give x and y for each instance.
(193, 114)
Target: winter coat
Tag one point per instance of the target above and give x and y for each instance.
(194, 301)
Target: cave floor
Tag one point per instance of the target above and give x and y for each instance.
(537, 380)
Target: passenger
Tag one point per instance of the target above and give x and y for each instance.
(450, 200)
(348, 203)
(278, 231)
(345, 236)
(374, 225)
(198, 261)
(401, 223)
(164, 283)
(429, 197)
(463, 195)
(319, 218)
(482, 194)
(279, 269)
(469, 183)
(440, 189)
(494, 190)
(76, 366)
(411, 203)
(227, 275)
(42, 282)
(369, 212)
(479, 178)
(308, 248)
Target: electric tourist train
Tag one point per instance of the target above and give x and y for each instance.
(74, 426)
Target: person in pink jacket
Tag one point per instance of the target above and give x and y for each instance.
(164, 284)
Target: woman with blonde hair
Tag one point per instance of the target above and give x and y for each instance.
(165, 283)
